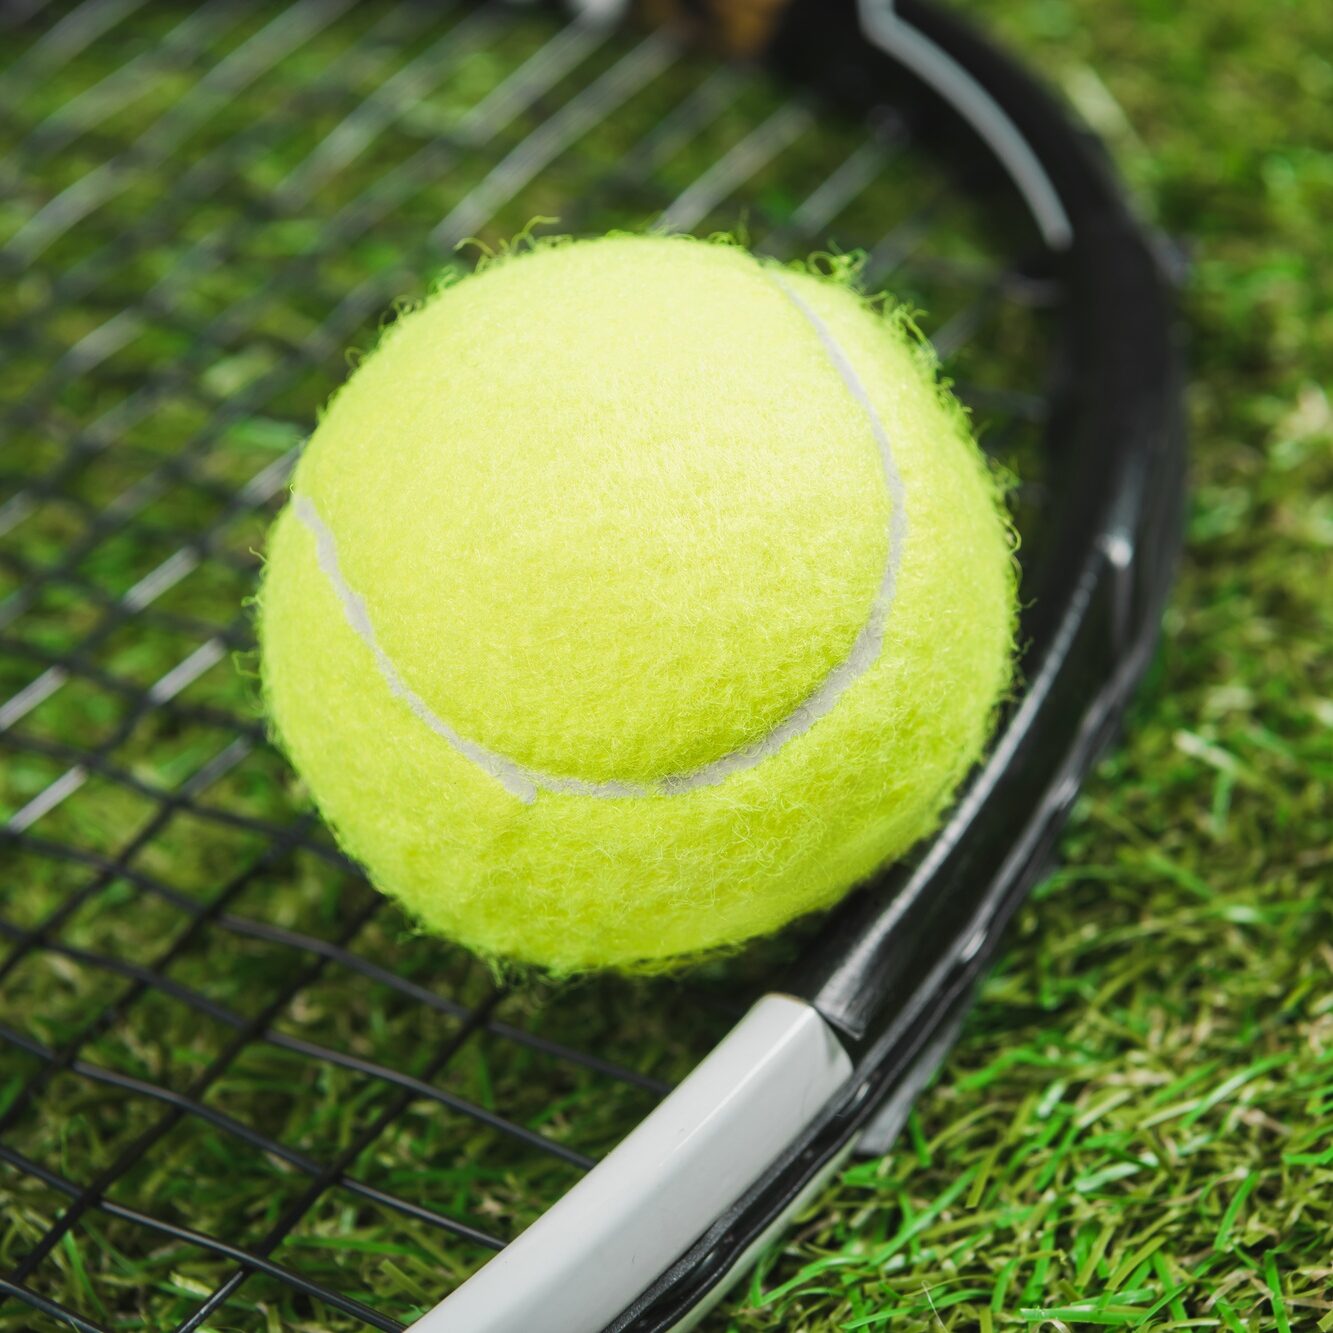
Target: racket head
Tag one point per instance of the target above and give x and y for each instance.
(209, 208)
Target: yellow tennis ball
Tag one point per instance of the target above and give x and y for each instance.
(634, 598)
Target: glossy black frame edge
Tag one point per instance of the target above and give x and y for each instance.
(900, 959)
(1093, 614)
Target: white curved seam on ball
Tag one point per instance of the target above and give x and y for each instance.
(505, 771)
(869, 642)
(523, 781)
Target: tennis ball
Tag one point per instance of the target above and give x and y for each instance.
(635, 597)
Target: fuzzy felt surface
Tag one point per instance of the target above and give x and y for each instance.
(613, 513)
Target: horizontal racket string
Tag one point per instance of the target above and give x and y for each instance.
(761, 146)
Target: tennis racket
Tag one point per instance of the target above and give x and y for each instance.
(236, 1090)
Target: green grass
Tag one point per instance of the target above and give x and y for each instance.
(1136, 1128)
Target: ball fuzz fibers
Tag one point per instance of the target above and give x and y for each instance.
(634, 598)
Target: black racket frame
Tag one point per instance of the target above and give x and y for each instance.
(896, 965)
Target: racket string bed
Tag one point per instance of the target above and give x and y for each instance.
(136, 602)
(217, 205)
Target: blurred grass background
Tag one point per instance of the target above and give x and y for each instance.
(1136, 1129)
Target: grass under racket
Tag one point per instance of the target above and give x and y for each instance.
(1136, 1129)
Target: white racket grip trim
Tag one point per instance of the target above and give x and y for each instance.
(591, 1254)
(750, 1255)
